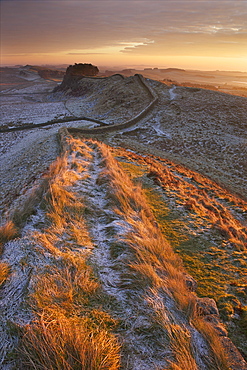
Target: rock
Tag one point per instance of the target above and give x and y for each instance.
(216, 324)
(206, 306)
(82, 69)
(73, 75)
(236, 361)
(191, 283)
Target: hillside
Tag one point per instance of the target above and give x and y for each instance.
(127, 236)
(230, 82)
(202, 129)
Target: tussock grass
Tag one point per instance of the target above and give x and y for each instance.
(8, 231)
(64, 210)
(69, 344)
(218, 360)
(158, 266)
(197, 200)
(57, 167)
(65, 287)
(69, 333)
(4, 272)
(155, 261)
(179, 336)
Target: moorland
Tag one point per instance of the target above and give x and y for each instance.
(123, 220)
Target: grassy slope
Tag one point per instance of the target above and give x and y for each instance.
(210, 252)
(172, 212)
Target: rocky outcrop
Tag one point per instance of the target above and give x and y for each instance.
(82, 69)
(74, 74)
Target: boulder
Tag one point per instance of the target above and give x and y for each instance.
(206, 306)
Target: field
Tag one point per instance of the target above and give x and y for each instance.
(124, 248)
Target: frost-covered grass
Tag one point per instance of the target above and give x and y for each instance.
(30, 88)
(105, 254)
(156, 265)
(198, 218)
(32, 113)
(7, 232)
(112, 100)
(29, 105)
(66, 334)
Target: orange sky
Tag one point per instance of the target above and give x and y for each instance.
(187, 34)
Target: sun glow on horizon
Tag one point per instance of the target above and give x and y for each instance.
(160, 34)
(103, 58)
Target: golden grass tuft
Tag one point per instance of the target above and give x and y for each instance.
(57, 167)
(66, 287)
(59, 196)
(68, 344)
(4, 272)
(182, 348)
(7, 232)
(48, 242)
(218, 359)
(178, 336)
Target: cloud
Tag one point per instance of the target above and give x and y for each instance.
(86, 53)
(132, 27)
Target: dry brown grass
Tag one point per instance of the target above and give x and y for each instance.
(218, 359)
(155, 261)
(65, 211)
(206, 206)
(178, 336)
(4, 272)
(57, 167)
(66, 287)
(7, 232)
(69, 334)
(158, 265)
(199, 195)
(68, 344)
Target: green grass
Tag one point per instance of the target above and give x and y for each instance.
(217, 266)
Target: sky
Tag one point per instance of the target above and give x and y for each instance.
(205, 35)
